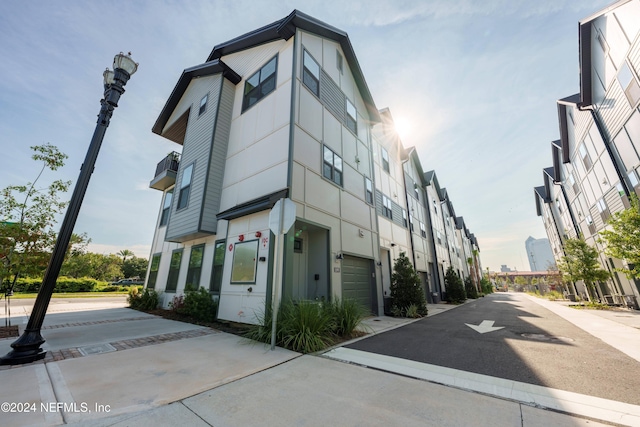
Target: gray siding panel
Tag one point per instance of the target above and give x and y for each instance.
(397, 213)
(332, 97)
(196, 151)
(378, 203)
(614, 201)
(218, 158)
(615, 110)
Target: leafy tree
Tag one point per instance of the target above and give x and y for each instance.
(454, 287)
(135, 267)
(27, 216)
(470, 288)
(97, 266)
(622, 241)
(406, 289)
(581, 263)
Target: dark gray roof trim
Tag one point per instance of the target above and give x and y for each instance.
(284, 29)
(430, 177)
(547, 176)
(539, 195)
(206, 69)
(556, 152)
(253, 206)
(584, 44)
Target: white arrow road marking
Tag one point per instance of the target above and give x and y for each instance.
(485, 326)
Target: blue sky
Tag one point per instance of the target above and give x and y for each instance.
(476, 81)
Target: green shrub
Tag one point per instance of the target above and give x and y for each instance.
(487, 287)
(406, 289)
(454, 287)
(347, 314)
(143, 301)
(470, 288)
(554, 295)
(63, 284)
(198, 305)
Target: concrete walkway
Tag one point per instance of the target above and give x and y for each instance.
(132, 369)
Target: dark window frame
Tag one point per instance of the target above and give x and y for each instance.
(259, 86)
(308, 75)
(166, 208)
(387, 207)
(203, 105)
(217, 266)
(368, 190)
(194, 271)
(153, 270)
(351, 120)
(335, 173)
(385, 159)
(185, 190)
(174, 271)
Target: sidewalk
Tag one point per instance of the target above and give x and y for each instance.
(155, 377)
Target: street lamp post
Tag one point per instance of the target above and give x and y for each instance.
(26, 349)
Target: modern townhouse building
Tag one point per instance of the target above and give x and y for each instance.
(435, 216)
(595, 161)
(285, 112)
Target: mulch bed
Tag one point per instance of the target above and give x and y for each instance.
(9, 331)
(229, 327)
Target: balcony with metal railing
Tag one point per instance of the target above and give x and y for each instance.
(166, 172)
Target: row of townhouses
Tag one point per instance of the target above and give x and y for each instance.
(285, 112)
(596, 160)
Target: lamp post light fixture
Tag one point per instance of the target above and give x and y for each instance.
(26, 348)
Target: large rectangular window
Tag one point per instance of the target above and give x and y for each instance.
(174, 270)
(423, 230)
(332, 165)
(368, 190)
(185, 187)
(584, 155)
(195, 268)
(166, 208)
(153, 271)
(310, 73)
(245, 256)
(385, 160)
(387, 207)
(260, 84)
(218, 265)
(351, 118)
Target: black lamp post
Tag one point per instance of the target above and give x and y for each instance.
(26, 349)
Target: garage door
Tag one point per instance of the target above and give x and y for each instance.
(356, 281)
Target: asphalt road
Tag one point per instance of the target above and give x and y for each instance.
(534, 346)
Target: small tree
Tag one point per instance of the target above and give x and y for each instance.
(406, 289)
(622, 241)
(581, 263)
(27, 216)
(470, 288)
(454, 286)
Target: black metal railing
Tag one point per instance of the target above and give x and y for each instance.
(170, 162)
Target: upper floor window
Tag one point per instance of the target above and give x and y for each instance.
(385, 160)
(166, 208)
(339, 61)
(604, 210)
(332, 166)
(310, 73)
(185, 187)
(203, 105)
(411, 222)
(423, 230)
(368, 190)
(153, 270)
(351, 118)
(416, 189)
(584, 155)
(261, 84)
(387, 207)
(629, 84)
(404, 218)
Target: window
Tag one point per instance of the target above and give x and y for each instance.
(584, 155)
(404, 218)
(203, 105)
(411, 221)
(174, 270)
(310, 73)
(185, 187)
(218, 264)
(590, 224)
(166, 208)
(573, 183)
(339, 61)
(153, 271)
(633, 180)
(387, 207)
(245, 256)
(261, 84)
(417, 191)
(439, 236)
(629, 84)
(351, 118)
(385, 160)
(368, 190)
(195, 267)
(332, 166)
(604, 210)
(423, 231)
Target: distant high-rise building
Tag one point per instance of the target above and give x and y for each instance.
(505, 269)
(539, 253)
